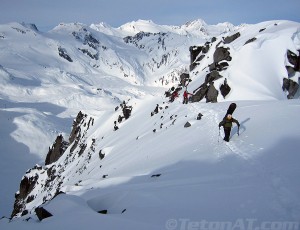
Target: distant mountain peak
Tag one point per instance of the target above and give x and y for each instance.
(141, 26)
(197, 22)
(30, 26)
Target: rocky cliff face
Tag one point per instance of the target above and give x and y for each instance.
(45, 181)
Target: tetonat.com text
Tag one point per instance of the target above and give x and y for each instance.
(239, 224)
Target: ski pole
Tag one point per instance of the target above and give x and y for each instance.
(238, 130)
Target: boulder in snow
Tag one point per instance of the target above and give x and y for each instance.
(42, 213)
(187, 124)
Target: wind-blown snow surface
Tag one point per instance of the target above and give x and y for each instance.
(255, 176)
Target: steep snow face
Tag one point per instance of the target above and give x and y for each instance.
(186, 172)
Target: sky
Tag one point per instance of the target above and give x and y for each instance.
(47, 14)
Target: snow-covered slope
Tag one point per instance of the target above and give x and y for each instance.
(176, 175)
(151, 173)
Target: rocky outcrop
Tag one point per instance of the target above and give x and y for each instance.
(218, 66)
(187, 124)
(212, 76)
(63, 53)
(31, 26)
(141, 35)
(76, 127)
(221, 57)
(250, 40)
(184, 78)
(212, 93)
(91, 41)
(294, 60)
(225, 88)
(291, 87)
(86, 38)
(290, 71)
(58, 148)
(222, 54)
(47, 180)
(42, 213)
(231, 38)
(199, 93)
(27, 184)
(87, 52)
(194, 52)
(197, 53)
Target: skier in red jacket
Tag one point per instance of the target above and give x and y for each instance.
(186, 96)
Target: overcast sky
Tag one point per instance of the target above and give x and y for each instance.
(46, 14)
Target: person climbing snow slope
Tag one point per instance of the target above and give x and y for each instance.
(227, 125)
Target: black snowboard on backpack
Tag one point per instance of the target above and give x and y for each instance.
(230, 109)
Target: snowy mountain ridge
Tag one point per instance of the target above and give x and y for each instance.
(170, 161)
(89, 54)
(197, 28)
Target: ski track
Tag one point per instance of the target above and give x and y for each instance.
(237, 144)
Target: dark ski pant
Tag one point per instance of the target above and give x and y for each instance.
(227, 134)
